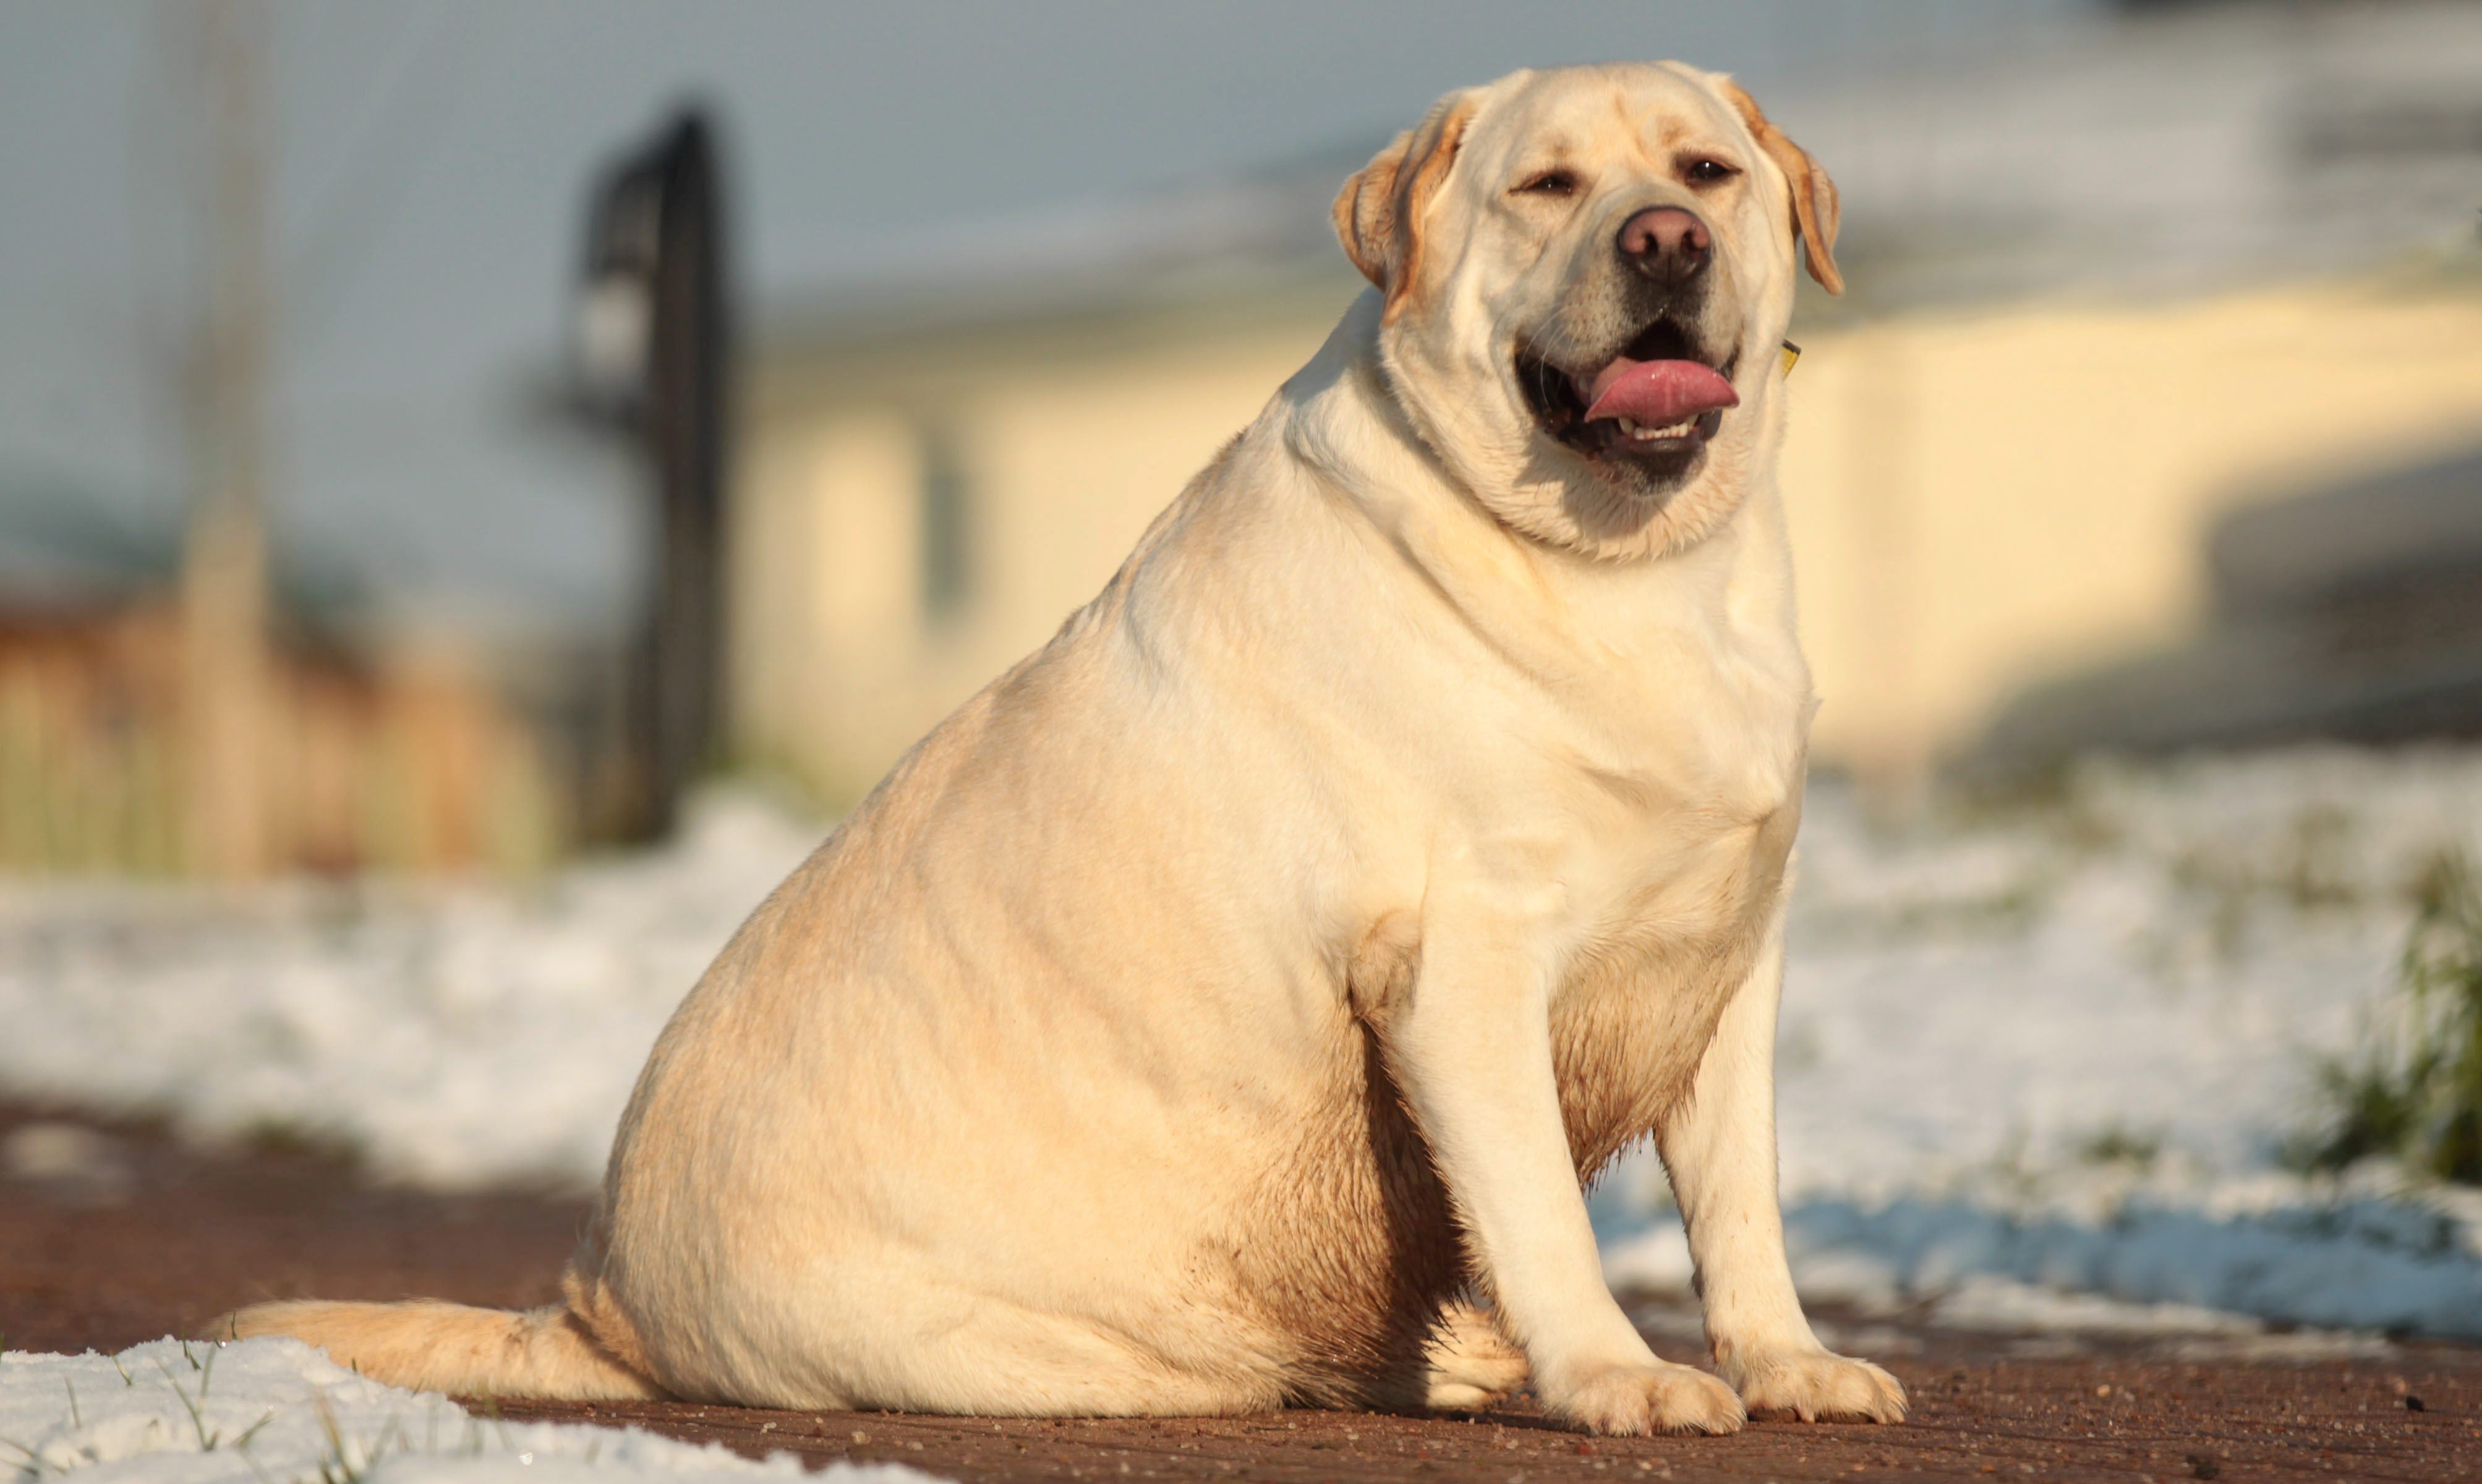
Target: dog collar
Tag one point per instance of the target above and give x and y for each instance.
(1791, 354)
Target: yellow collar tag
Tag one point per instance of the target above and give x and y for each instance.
(1791, 354)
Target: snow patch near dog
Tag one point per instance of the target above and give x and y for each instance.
(2062, 1041)
(451, 1035)
(278, 1412)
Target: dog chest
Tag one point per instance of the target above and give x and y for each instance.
(1641, 991)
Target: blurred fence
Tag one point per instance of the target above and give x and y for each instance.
(411, 765)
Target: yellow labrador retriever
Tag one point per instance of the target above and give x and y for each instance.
(1222, 1009)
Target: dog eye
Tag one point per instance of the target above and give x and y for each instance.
(1707, 172)
(1551, 182)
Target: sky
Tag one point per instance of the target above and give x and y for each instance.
(432, 158)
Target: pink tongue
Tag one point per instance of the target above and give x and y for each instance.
(1658, 393)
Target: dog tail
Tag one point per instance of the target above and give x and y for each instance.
(426, 1345)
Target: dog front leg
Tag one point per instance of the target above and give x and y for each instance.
(1720, 1150)
(1471, 1051)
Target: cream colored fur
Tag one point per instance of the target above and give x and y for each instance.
(1193, 1020)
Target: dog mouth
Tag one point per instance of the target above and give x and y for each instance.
(1656, 404)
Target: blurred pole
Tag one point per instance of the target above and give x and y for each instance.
(224, 564)
(654, 344)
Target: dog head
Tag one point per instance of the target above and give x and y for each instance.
(1586, 275)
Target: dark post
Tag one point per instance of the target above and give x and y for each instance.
(654, 345)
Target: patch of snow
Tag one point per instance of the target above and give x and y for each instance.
(452, 1036)
(2180, 1331)
(2152, 957)
(278, 1412)
(1986, 1303)
(2062, 1041)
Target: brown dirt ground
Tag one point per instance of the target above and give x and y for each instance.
(145, 1237)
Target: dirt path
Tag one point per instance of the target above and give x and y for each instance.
(2048, 1419)
(111, 1235)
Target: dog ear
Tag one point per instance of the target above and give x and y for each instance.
(1379, 213)
(1814, 208)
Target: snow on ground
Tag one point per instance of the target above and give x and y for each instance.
(453, 1036)
(2062, 1040)
(2055, 1041)
(277, 1412)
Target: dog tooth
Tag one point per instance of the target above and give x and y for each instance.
(1628, 425)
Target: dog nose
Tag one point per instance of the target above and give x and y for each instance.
(1668, 243)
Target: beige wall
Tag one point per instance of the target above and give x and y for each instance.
(1978, 500)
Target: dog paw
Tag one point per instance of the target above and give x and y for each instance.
(1630, 1399)
(1459, 1397)
(1471, 1365)
(1817, 1387)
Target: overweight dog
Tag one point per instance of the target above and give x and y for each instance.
(1223, 1008)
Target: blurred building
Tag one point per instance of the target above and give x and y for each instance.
(1989, 500)
(2103, 297)
(2353, 612)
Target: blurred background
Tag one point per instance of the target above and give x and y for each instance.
(431, 436)
(501, 478)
